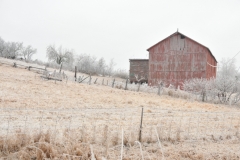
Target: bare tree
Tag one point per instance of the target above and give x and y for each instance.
(79, 59)
(59, 55)
(2, 47)
(121, 73)
(15, 49)
(199, 86)
(101, 66)
(227, 81)
(110, 67)
(70, 64)
(28, 52)
(12, 49)
(225, 87)
(90, 65)
(86, 63)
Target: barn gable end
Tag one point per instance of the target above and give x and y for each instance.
(177, 58)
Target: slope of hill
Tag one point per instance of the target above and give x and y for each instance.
(20, 87)
(24, 94)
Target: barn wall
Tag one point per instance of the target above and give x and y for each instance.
(138, 67)
(211, 71)
(176, 59)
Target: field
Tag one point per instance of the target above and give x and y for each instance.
(44, 119)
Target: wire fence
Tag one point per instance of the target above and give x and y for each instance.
(104, 126)
(174, 125)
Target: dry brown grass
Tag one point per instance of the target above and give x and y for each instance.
(25, 89)
(75, 149)
(69, 135)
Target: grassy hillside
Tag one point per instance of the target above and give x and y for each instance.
(43, 119)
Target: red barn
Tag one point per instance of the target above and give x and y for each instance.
(178, 58)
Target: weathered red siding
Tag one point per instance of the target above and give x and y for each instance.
(178, 58)
(211, 71)
(138, 67)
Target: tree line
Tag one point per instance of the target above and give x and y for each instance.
(16, 50)
(225, 87)
(59, 57)
(85, 63)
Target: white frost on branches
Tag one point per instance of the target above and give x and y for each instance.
(225, 87)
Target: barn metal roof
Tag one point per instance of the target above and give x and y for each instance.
(186, 37)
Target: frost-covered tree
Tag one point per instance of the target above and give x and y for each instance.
(86, 63)
(110, 67)
(121, 73)
(12, 49)
(227, 81)
(2, 47)
(199, 86)
(59, 55)
(225, 87)
(28, 52)
(15, 49)
(101, 66)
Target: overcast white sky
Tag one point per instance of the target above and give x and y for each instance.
(120, 29)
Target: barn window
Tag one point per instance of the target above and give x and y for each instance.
(182, 36)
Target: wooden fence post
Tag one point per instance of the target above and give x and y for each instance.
(113, 83)
(159, 88)
(139, 84)
(90, 78)
(96, 81)
(75, 76)
(140, 131)
(126, 84)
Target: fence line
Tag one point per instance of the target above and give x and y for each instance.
(98, 125)
(14, 64)
(104, 126)
(125, 84)
(195, 125)
(98, 109)
(111, 82)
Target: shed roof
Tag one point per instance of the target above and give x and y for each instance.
(138, 59)
(186, 37)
